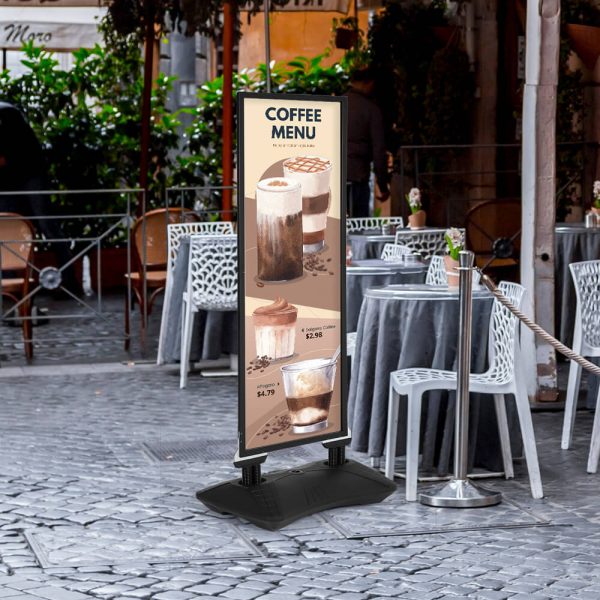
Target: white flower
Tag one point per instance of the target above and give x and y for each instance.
(414, 198)
(597, 189)
(455, 237)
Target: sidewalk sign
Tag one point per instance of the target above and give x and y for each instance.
(292, 350)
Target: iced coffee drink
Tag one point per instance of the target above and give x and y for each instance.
(308, 389)
(279, 229)
(275, 329)
(313, 173)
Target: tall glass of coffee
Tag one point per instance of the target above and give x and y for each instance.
(314, 174)
(279, 229)
(308, 386)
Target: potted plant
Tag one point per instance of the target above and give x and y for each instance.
(456, 242)
(416, 220)
(346, 33)
(596, 198)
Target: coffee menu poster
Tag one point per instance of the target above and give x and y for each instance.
(291, 172)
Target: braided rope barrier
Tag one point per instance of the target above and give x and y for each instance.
(586, 364)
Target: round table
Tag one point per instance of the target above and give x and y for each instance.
(404, 326)
(574, 243)
(215, 332)
(366, 245)
(365, 274)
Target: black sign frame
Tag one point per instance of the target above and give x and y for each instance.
(244, 452)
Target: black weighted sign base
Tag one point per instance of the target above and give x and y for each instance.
(282, 497)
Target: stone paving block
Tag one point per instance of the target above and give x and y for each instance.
(56, 593)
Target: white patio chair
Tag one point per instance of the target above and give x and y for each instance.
(428, 242)
(586, 341)
(211, 285)
(350, 343)
(357, 225)
(503, 377)
(175, 233)
(395, 252)
(437, 274)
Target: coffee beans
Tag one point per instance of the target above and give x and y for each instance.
(260, 363)
(276, 426)
(316, 264)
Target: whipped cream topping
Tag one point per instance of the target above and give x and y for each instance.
(277, 313)
(278, 197)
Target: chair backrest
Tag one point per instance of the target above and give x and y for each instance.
(16, 247)
(367, 223)
(395, 252)
(177, 231)
(436, 272)
(213, 272)
(586, 278)
(503, 338)
(153, 226)
(427, 243)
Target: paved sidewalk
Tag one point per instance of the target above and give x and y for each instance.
(87, 510)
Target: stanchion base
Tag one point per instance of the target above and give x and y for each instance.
(460, 493)
(285, 496)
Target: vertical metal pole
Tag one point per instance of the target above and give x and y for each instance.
(459, 492)
(461, 431)
(267, 7)
(4, 59)
(228, 42)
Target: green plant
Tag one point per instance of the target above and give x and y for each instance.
(455, 241)
(199, 164)
(425, 89)
(413, 199)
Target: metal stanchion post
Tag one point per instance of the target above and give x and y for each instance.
(459, 492)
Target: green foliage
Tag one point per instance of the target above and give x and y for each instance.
(200, 162)
(571, 107)
(425, 87)
(87, 118)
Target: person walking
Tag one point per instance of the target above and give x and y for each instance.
(366, 144)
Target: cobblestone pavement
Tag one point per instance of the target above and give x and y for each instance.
(86, 513)
(80, 335)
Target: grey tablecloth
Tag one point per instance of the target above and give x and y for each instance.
(368, 246)
(215, 333)
(364, 274)
(401, 332)
(574, 243)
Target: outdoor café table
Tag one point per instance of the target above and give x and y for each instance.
(372, 272)
(215, 332)
(574, 243)
(368, 245)
(402, 326)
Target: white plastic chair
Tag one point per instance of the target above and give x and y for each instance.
(437, 274)
(395, 252)
(211, 285)
(427, 242)
(503, 377)
(175, 233)
(586, 341)
(357, 225)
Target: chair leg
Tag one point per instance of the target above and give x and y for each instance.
(500, 405)
(127, 316)
(392, 432)
(528, 435)
(412, 445)
(570, 404)
(160, 359)
(594, 455)
(27, 330)
(186, 341)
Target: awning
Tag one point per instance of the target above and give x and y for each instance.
(302, 5)
(54, 27)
